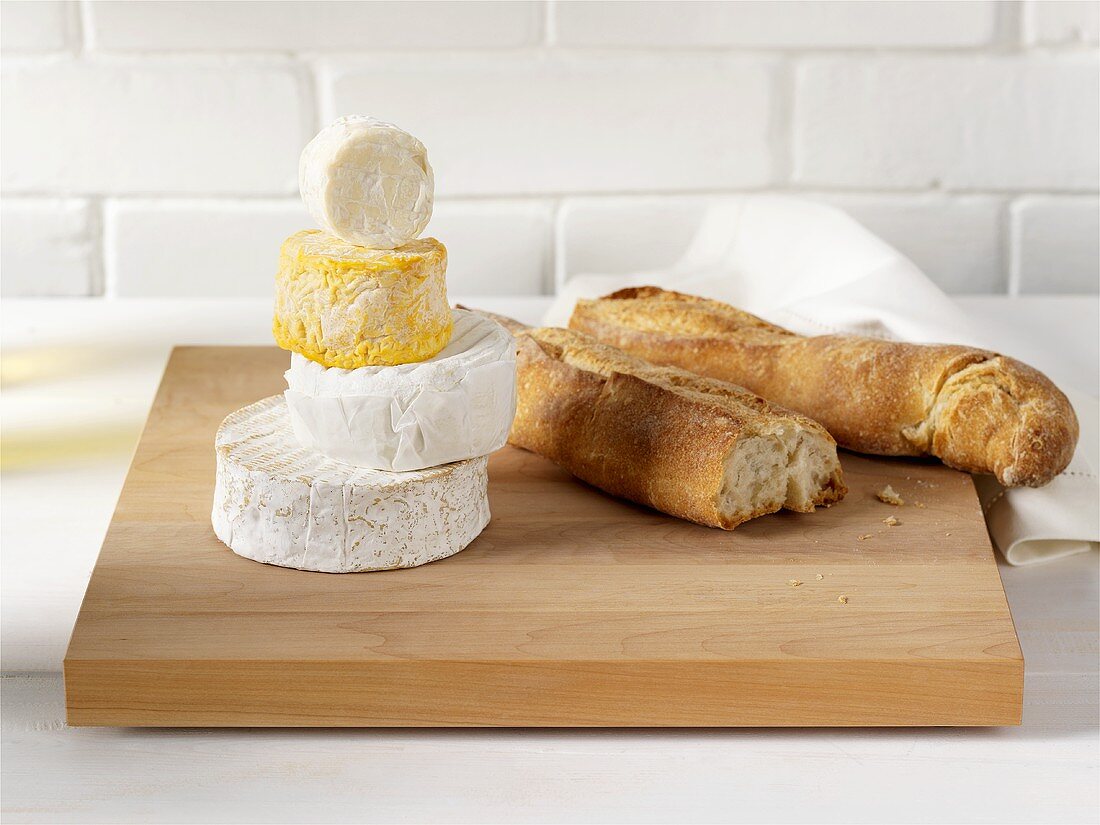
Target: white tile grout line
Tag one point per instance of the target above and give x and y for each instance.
(549, 23)
(309, 87)
(324, 80)
(553, 253)
(107, 250)
(1008, 34)
(1003, 240)
(781, 131)
(98, 285)
(1012, 246)
(84, 10)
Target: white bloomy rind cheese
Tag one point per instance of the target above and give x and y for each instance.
(367, 182)
(279, 503)
(455, 406)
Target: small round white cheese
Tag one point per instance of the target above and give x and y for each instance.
(452, 407)
(279, 503)
(367, 182)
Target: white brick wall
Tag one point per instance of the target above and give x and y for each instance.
(994, 123)
(124, 126)
(150, 149)
(797, 24)
(208, 248)
(959, 240)
(571, 123)
(234, 25)
(45, 26)
(498, 247)
(197, 248)
(1057, 243)
(1057, 22)
(49, 247)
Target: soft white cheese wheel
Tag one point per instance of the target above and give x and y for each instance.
(367, 182)
(455, 406)
(279, 503)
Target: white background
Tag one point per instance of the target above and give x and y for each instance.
(150, 149)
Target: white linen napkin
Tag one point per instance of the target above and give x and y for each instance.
(811, 268)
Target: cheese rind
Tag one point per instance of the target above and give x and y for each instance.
(368, 182)
(346, 306)
(279, 503)
(452, 407)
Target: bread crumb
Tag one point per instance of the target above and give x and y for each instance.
(819, 577)
(889, 495)
(891, 522)
(865, 536)
(794, 583)
(842, 599)
(918, 504)
(947, 534)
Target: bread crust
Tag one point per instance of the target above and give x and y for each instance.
(973, 409)
(659, 436)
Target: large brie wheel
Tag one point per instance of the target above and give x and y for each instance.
(345, 306)
(367, 182)
(455, 406)
(279, 503)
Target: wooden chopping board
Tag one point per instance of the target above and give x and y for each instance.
(572, 609)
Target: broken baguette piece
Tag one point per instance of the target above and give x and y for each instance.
(694, 447)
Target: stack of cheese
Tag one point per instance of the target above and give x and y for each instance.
(375, 457)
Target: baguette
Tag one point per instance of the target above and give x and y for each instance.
(693, 447)
(974, 410)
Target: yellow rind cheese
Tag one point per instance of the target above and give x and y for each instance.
(348, 306)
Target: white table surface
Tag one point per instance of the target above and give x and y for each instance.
(82, 374)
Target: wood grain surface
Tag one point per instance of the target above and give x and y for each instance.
(572, 609)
